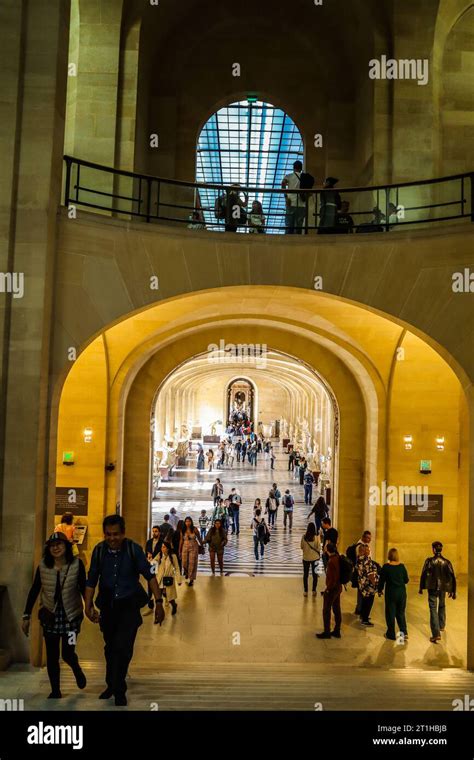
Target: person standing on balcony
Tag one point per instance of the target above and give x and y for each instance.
(330, 205)
(295, 206)
(236, 214)
(256, 218)
(344, 221)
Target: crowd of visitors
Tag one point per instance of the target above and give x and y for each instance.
(171, 557)
(232, 209)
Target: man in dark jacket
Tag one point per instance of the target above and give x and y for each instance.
(153, 545)
(352, 552)
(438, 578)
(116, 566)
(166, 529)
(332, 595)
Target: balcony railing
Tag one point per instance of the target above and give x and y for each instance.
(217, 207)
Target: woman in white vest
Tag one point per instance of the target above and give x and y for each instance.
(60, 578)
(168, 574)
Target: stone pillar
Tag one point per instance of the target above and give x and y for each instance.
(33, 39)
(93, 105)
(470, 573)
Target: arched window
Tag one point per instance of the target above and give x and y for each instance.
(253, 144)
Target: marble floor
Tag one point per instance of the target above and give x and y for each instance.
(245, 643)
(189, 492)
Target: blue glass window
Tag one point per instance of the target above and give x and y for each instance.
(253, 144)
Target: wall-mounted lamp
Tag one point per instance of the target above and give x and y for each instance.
(88, 435)
(408, 441)
(440, 442)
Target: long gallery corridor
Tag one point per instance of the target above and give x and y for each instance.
(189, 492)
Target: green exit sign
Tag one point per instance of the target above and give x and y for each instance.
(68, 456)
(425, 465)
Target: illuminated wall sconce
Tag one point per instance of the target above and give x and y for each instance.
(440, 442)
(408, 441)
(88, 435)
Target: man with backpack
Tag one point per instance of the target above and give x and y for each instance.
(271, 507)
(261, 534)
(277, 493)
(296, 202)
(288, 506)
(116, 565)
(353, 553)
(332, 595)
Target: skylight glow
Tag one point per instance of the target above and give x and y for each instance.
(253, 144)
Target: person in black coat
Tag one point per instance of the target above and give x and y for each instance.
(438, 578)
(153, 545)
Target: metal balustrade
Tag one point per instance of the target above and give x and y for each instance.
(381, 208)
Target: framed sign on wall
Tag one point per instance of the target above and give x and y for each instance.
(69, 499)
(423, 508)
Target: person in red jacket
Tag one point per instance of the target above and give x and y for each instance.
(332, 595)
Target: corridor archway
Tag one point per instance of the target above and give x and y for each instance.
(194, 409)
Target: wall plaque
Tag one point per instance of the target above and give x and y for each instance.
(423, 508)
(70, 499)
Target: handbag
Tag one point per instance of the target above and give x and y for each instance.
(168, 580)
(46, 617)
(201, 550)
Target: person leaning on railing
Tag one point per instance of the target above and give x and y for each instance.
(256, 218)
(236, 209)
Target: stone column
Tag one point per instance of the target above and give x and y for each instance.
(33, 39)
(91, 130)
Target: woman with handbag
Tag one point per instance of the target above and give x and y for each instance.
(60, 578)
(217, 539)
(168, 574)
(311, 548)
(190, 547)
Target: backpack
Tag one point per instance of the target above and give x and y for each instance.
(306, 183)
(220, 207)
(351, 553)
(288, 503)
(272, 505)
(346, 569)
(261, 532)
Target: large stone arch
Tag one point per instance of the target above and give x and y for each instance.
(135, 490)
